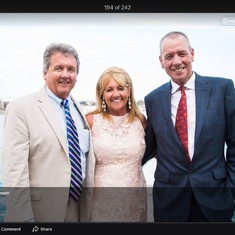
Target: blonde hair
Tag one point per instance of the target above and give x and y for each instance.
(123, 79)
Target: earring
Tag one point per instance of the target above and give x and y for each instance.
(129, 102)
(104, 105)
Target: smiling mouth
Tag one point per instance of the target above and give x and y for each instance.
(116, 101)
(179, 69)
(64, 82)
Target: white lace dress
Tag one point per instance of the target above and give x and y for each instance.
(120, 193)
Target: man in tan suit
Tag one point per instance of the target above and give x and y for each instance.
(36, 167)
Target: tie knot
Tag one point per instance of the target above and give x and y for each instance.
(182, 89)
(64, 103)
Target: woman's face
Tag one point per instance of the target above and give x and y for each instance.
(116, 98)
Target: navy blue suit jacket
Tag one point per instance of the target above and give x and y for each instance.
(211, 174)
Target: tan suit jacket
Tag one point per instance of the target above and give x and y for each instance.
(35, 162)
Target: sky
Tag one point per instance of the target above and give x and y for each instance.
(127, 40)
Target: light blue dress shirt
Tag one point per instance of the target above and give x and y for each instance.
(83, 133)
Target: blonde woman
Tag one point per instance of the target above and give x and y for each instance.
(118, 136)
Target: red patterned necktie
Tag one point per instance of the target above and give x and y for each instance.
(181, 123)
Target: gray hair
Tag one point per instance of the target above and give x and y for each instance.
(174, 34)
(62, 48)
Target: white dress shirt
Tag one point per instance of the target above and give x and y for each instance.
(191, 108)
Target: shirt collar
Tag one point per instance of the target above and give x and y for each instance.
(190, 84)
(55, 98)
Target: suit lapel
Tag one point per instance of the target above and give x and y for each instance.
(202, 92)
(47, 109)
(165, 99)
(80, 110)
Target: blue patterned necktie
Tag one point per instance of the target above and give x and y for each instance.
(74, 154)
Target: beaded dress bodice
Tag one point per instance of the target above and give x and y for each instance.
(120, 185)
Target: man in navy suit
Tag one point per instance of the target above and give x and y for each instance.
(200, 189)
